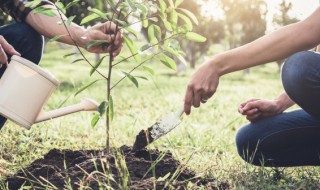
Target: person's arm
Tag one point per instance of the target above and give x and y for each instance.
(49, 27)
(318, 48)
(278, 45)
(255, 109)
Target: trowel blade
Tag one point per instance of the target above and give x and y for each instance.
(157, 130)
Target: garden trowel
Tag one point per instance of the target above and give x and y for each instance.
(159, 129)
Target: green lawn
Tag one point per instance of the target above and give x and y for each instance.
(204, 140)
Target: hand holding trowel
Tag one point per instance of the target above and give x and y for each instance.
(159, 129)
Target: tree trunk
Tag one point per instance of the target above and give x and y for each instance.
(193, 62)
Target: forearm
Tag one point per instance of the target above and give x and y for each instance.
(275, 46)
(49, 27)
(283, 102)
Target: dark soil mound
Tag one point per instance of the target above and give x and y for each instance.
(93, 169)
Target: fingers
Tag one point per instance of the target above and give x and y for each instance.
(109, 27)
(7, 47)
(3, 56)
(251, 100)
(250, 106)
(188, 100)
(254, 117)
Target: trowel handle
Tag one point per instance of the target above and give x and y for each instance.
(180, 111)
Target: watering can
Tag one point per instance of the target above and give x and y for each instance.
(25, 89)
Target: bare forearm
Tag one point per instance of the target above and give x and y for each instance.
(275, 46)
(49, 27)
(283, 102)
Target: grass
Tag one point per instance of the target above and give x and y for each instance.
(206, 138)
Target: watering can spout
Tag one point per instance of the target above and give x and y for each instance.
(85, 105)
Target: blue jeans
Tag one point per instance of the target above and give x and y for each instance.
(291, 138)
(26, 41)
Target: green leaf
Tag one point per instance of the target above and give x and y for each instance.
(133, 48)
(186, 20)
(110, 108)
(33, 4)
(182, 59)
(151, 35)
(131, 31)
(190, 15)
(77, 60)
(132, 79)
(158, 31)
(98, 12)
(132, 5)
(195, 37)
(171, 3)
(70, 54)
(86, 86)
(170, 50)
(178, 3)
(163, 5)
(167, 24)
(60, 7)
(70, 19)
(145, 47)
(145, 22)
(142, 77)
(96, 66)
(95, 120)
(55, 38)
(142, 8)
(121, 22)
(45, 11)
(148, 69)
(167, 61)
(89, 18)
(96, 43)
(72, 3)
(173, 17)
(102, 108)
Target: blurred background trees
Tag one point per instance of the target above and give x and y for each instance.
(241, 22)
(209, 27)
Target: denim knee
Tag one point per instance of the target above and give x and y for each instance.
(294, 71)
(247, 146)
(301, 80)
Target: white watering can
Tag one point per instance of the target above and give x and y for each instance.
(24, 90)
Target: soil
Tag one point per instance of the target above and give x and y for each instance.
(143, 139)
(84, 169)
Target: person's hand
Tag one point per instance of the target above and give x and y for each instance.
(255, 109)
(202, 86)
(107, 31)
(6, 48)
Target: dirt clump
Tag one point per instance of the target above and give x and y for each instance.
(94, 169)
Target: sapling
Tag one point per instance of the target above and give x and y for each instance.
(159, 17)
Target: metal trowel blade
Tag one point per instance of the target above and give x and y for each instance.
(159, 129)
